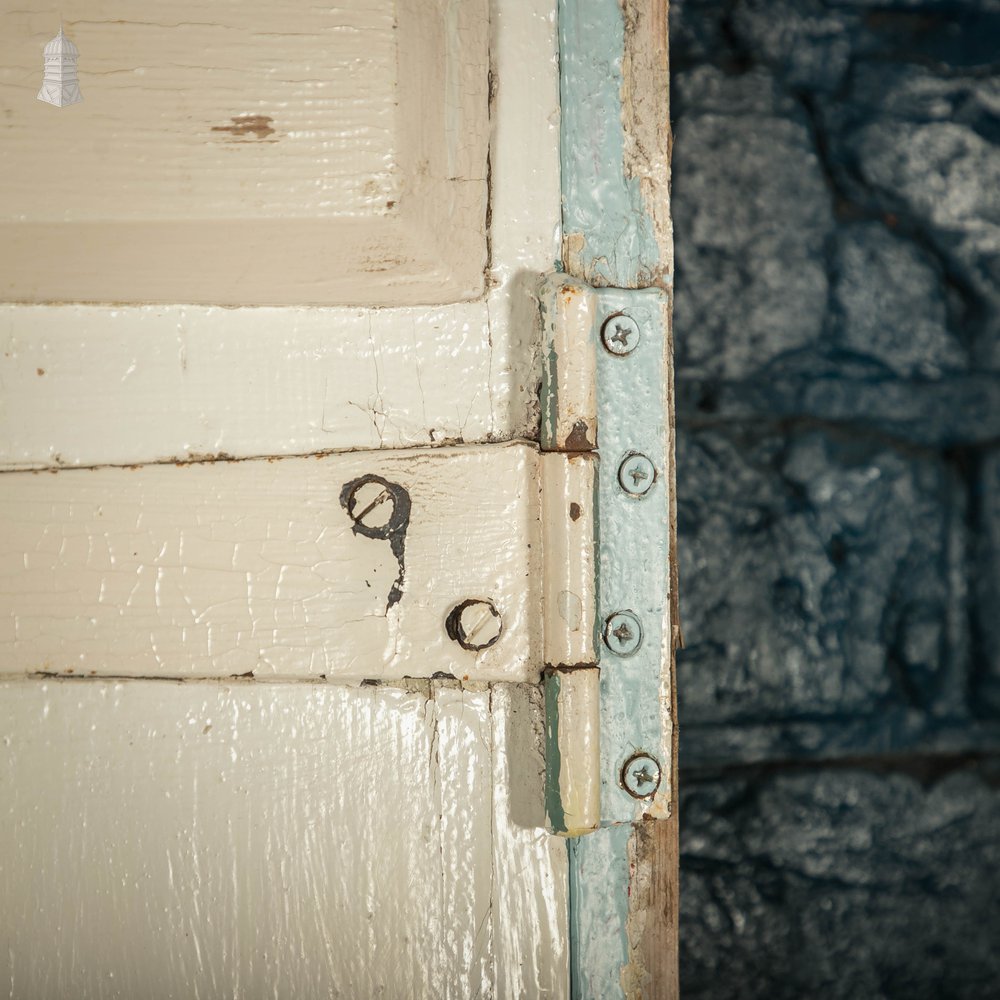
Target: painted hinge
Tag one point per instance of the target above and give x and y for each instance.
(607, 530)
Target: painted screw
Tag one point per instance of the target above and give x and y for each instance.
(636, 475)
(622, 633)
(371, 505)
(474, 624)
(620, 334)
(641, 776)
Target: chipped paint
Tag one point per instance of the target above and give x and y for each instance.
(615, 148)
(609, 236)
(222, 568)
(258, 126)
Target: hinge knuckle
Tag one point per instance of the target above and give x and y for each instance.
(605, 506)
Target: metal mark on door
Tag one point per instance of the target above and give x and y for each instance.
(380, 509)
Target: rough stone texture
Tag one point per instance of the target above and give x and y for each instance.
(837, 318)
(756, 216)
(817, 578)
(986, 609)
(840, 884)
(836, 204)
(887, 305)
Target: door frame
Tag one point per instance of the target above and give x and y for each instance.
(615, 152)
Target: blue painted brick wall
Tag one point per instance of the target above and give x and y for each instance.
(836, 203)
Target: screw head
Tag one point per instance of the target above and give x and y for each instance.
(371, 505)
(620, 334)
(640, 776)
(622, 633)
(474, 624)
(636, 475)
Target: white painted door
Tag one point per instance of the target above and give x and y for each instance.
(271, 529)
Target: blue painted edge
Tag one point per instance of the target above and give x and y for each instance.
(609, 238)
(598, 894)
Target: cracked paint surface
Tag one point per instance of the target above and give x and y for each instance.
(231, 568)
(250, 379)
(265, 841)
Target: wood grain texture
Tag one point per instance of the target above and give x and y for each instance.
(229, 568)
(207, 841)
(90, 384)
(241, 153)
(654, 849)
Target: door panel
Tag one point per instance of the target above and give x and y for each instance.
(243, 153)
(192, 839)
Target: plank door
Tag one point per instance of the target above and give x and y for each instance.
(270, 501)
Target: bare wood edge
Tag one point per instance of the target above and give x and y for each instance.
(653, 920)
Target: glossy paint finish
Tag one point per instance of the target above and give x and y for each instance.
(221, 569)
(619, 403)
(303, 840)
(120, 384)
(237, 838)
(615, 143)
(569, 596)
(572, 750)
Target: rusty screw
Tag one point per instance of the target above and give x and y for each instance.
(636, 475)
(620, 334)
(622, 633)
(371, 505)
(474, 624)
(641, 776)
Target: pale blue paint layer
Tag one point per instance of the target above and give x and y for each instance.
(599, 201)
(611, 242)
(633, 548)
(598, 892)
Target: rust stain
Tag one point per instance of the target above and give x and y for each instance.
(578, 438)
(39, 371)
(258, 125)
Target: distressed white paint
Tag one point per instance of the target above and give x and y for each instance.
(578, 736)
(225, 568)
(296, 840)
(569, 600)
(234, 838)
(570, 424)
(250, 153)
(87, 384)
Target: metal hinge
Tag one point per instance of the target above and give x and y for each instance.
(606, 516)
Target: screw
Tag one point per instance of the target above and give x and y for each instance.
(622, 633)
(636, 475)
(474, 624)
(641, 776)
(367, 505)
(620, 334)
